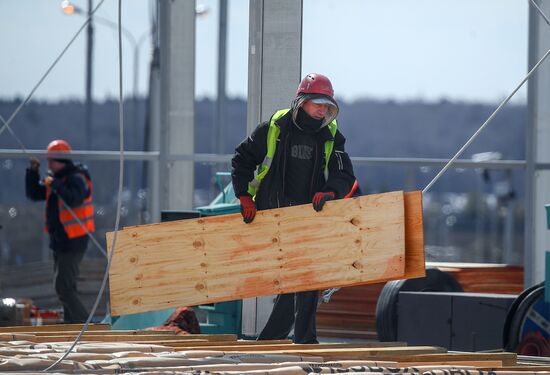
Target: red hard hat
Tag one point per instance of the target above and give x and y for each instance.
(59, 145)
(315, 83)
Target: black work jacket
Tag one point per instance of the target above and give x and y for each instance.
(73, 190)
(271, 194)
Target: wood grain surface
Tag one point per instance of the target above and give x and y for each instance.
(213, 259)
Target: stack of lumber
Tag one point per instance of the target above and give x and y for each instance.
(351, 311)
(484, 277)
(35, 281)
(104, 351)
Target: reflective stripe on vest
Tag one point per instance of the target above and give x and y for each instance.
(272, 136)
(84, 213)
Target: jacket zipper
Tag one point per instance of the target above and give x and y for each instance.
(284, 162)
(340, 162)
(314, 172)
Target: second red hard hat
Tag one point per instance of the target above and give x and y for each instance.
(59, 145)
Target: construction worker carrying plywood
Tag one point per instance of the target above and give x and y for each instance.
(67, 190)
(296, 157)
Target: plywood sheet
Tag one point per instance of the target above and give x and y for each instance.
(197, 261)
(415, 262)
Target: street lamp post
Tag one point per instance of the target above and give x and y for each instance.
(219, 123)
(69, 8)
(89, 61)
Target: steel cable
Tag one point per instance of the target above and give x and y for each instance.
(502, 104)
(119, 201)
(65, 205)
(10, 119)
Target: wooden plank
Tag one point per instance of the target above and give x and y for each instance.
(507, 359)
(519, 367)
(485, 278)
(106, 333)
(415, 263)
(149, 339)
(198, 261)
(95, 338)
(255, 346)
(54, 327)
(457, 364)
(334, 320)
(249, 343)
(362, 352)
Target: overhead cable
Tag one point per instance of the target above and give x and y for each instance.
(22, 104)
(21, 145)
(119, 199)
(504, 102)
(480, 129)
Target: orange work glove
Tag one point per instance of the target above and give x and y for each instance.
(48, 181)
(320, 198)
(248, 208)
(34, 164)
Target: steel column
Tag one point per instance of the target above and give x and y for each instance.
(537, 237)
(274, 70)
(177, 69)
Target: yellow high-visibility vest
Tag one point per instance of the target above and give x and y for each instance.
(272, 135)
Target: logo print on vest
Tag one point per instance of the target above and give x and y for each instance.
(303, 152)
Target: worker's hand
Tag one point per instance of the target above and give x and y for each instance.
(48, 181)
(320, 198)
(34, 164)
(248, 208)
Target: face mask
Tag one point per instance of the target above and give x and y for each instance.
(307, 123)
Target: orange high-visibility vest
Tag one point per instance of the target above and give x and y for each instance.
(84, 213)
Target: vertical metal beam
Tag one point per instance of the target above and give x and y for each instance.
(222, 67)
(537, 237)
(274, 70)
(177, 69)
(274, 57)
(153, 125)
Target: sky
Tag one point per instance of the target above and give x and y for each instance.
(467, 50)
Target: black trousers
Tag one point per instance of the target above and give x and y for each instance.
(293, 309)
(66, 271)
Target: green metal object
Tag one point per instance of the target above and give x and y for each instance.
(221, 317)
(139, 320)
(225, 202)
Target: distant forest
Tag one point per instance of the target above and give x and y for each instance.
(372, 128)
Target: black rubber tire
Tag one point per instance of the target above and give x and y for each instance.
(512, 312)
(518, 318)
(386, 307)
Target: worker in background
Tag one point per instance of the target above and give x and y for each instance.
(67, 190)
(297, 157)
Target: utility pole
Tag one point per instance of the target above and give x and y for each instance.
(89, 58)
